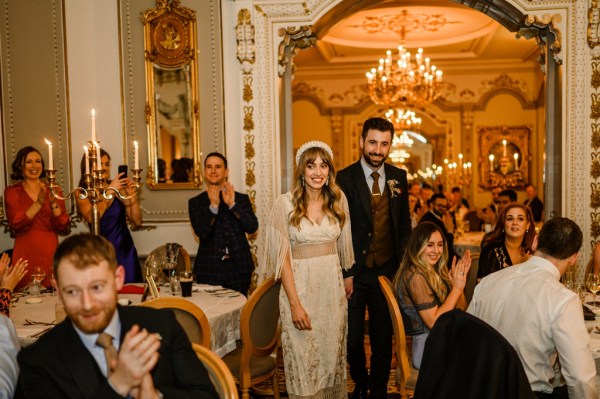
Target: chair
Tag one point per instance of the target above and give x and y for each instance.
(160, 254)
(218, 372)
(406, 375)
(466, 358)
(473, 219)
(191, 317)
(472, 278)
(253, 362)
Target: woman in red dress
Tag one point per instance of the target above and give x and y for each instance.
(34, 215)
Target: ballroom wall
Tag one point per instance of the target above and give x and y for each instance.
(61, 58)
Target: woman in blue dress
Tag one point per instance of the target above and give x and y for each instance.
(114, 214)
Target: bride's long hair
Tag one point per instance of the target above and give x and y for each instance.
(330, 191)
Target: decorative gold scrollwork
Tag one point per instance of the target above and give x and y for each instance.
(595, 106)
(595, 196)
(294, 39)
(595, 225)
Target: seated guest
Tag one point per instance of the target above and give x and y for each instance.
(534, 203)
(439, 215)
(488, 214)
(9, 278)
(506, 197)
(510, 242)
(9, 347)
(426, 193)
(460, 205)
(102, 350)
(424, 287)
(541, 318)
(593, 265)
(412, 207)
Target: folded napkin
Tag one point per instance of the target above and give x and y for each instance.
(132, 289)
(205, 287)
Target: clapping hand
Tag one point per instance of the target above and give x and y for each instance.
(41, 198)
(10, 276)
(228, 194)
(460, 270)
(137, 357)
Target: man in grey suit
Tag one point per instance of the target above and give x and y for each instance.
(377, 195)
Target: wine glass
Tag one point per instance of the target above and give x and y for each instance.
(592, 283)
(37, 276)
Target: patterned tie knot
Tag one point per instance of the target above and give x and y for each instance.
(105, 341)
(375, 189)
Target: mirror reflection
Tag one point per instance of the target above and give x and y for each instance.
(172, 100)
(175, 157)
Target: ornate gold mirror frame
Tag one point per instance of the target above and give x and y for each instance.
(172, 105)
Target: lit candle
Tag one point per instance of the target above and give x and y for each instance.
(136, 161)
(87, 160)
(491, 157)
(516, 161)
(50, 159)
(460, 161)
(98, 156)
(504, 149)
(93, 124)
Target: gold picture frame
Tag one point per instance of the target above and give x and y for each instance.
(504, 156)
(172, 103)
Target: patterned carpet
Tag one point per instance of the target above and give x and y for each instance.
(392, 390)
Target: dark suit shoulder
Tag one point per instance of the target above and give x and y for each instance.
(203, 196)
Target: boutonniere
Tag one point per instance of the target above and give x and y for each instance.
(393, 187)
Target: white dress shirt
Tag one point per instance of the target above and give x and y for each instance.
(9, 347)
(541, 319)
(89, 341)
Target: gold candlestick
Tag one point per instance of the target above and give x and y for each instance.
(94, 189)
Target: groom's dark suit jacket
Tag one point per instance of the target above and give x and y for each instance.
(59, 366)
(353, 183)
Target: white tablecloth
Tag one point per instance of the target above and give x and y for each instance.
(468, 241)
(223, 310)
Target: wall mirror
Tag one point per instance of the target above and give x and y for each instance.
(172, 105)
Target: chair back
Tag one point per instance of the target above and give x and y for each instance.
(160, 254)
(399, 334)
(472, 278)
(190, 317)
(218, 372)
(467, 358)
(259, 322)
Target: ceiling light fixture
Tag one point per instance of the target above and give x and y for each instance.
(404, 80)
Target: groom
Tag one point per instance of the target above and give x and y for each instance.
(378, 200)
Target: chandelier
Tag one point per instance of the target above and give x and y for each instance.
(404, 120)
(404, 80)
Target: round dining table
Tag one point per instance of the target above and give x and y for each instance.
(222, 307)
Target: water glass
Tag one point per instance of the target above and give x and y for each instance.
(568, 281)
(175, 286)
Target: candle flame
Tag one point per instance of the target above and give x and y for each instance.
(135, 143)
(491, 157)
(93, 112)
(48, 141)
(85, 149)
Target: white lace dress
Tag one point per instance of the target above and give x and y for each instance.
(315, 360)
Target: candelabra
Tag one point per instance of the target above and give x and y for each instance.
(94, 190)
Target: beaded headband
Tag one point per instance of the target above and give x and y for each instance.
(313, 144)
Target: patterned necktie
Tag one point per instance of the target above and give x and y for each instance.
(375, 189)
(105, 341)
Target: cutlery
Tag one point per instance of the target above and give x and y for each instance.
(40, 333)
(42, 323)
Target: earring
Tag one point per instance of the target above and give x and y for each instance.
(327, 182)
(302, 181)
(527, 231)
